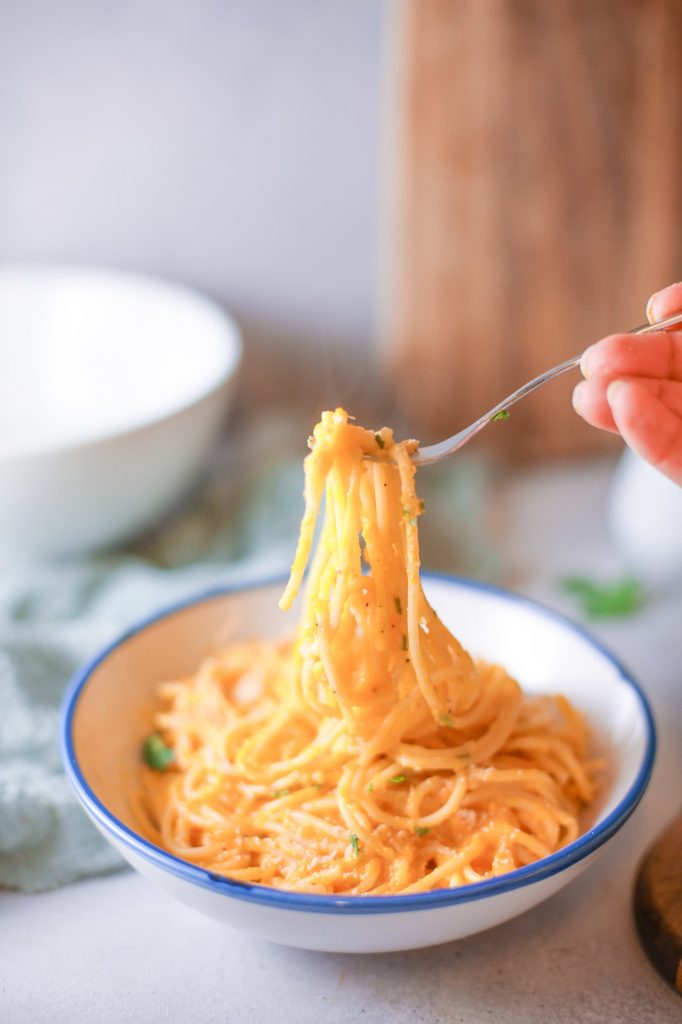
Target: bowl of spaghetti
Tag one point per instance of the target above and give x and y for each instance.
(411, 759)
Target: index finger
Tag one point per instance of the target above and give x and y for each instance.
(648, 426)
(657, 355)
(664, 303)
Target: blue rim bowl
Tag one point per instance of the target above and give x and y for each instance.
(582, 847)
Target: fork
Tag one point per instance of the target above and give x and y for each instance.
(444, 449)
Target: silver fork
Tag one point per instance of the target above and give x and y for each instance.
(444, 449)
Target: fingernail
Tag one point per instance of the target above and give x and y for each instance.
(585, 361)
(612, 388)
(654, 312)
(579, 395)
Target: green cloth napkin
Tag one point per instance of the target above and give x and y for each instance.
(241, 525)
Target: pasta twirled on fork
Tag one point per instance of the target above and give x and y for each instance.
(371, 755)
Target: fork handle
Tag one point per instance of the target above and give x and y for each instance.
(556, 371)
(444, 449)
(662, 325)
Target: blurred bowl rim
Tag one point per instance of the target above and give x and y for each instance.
(587, 843)
(234, 349)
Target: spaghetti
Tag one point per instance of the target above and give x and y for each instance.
(372, 755)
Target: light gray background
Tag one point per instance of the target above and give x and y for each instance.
(233, 144)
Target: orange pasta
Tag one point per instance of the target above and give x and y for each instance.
(372, 754)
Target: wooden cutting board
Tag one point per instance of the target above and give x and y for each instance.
(658, 904)
(535, 201)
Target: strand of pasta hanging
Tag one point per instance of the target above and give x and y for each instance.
(370, 754)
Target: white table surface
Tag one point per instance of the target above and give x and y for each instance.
(117, 950)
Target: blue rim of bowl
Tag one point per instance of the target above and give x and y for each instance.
(582, 847)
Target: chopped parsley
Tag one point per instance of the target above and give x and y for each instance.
(355, 843)
(503, 414)
(278, 793)
(379, 440)
(605, 600)
(398, 606)
(370, 787)
(408, 515)
(156, 754)
(446, 720)
(421, 830)
(398, 779)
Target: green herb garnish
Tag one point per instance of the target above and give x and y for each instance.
(446, 720)
(605, 600)
(156, 754)
(503, 414)
(370, 787)
(277, 793)
(355, 843)
(421, 830)
(379, 440)
(398, 606)
(398, 778)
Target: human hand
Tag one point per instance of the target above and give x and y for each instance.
(633, 387)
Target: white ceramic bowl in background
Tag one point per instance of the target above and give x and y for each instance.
(107, 713)
(113, 387)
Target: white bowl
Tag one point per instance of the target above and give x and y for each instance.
(107, 714)
(113, 387)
